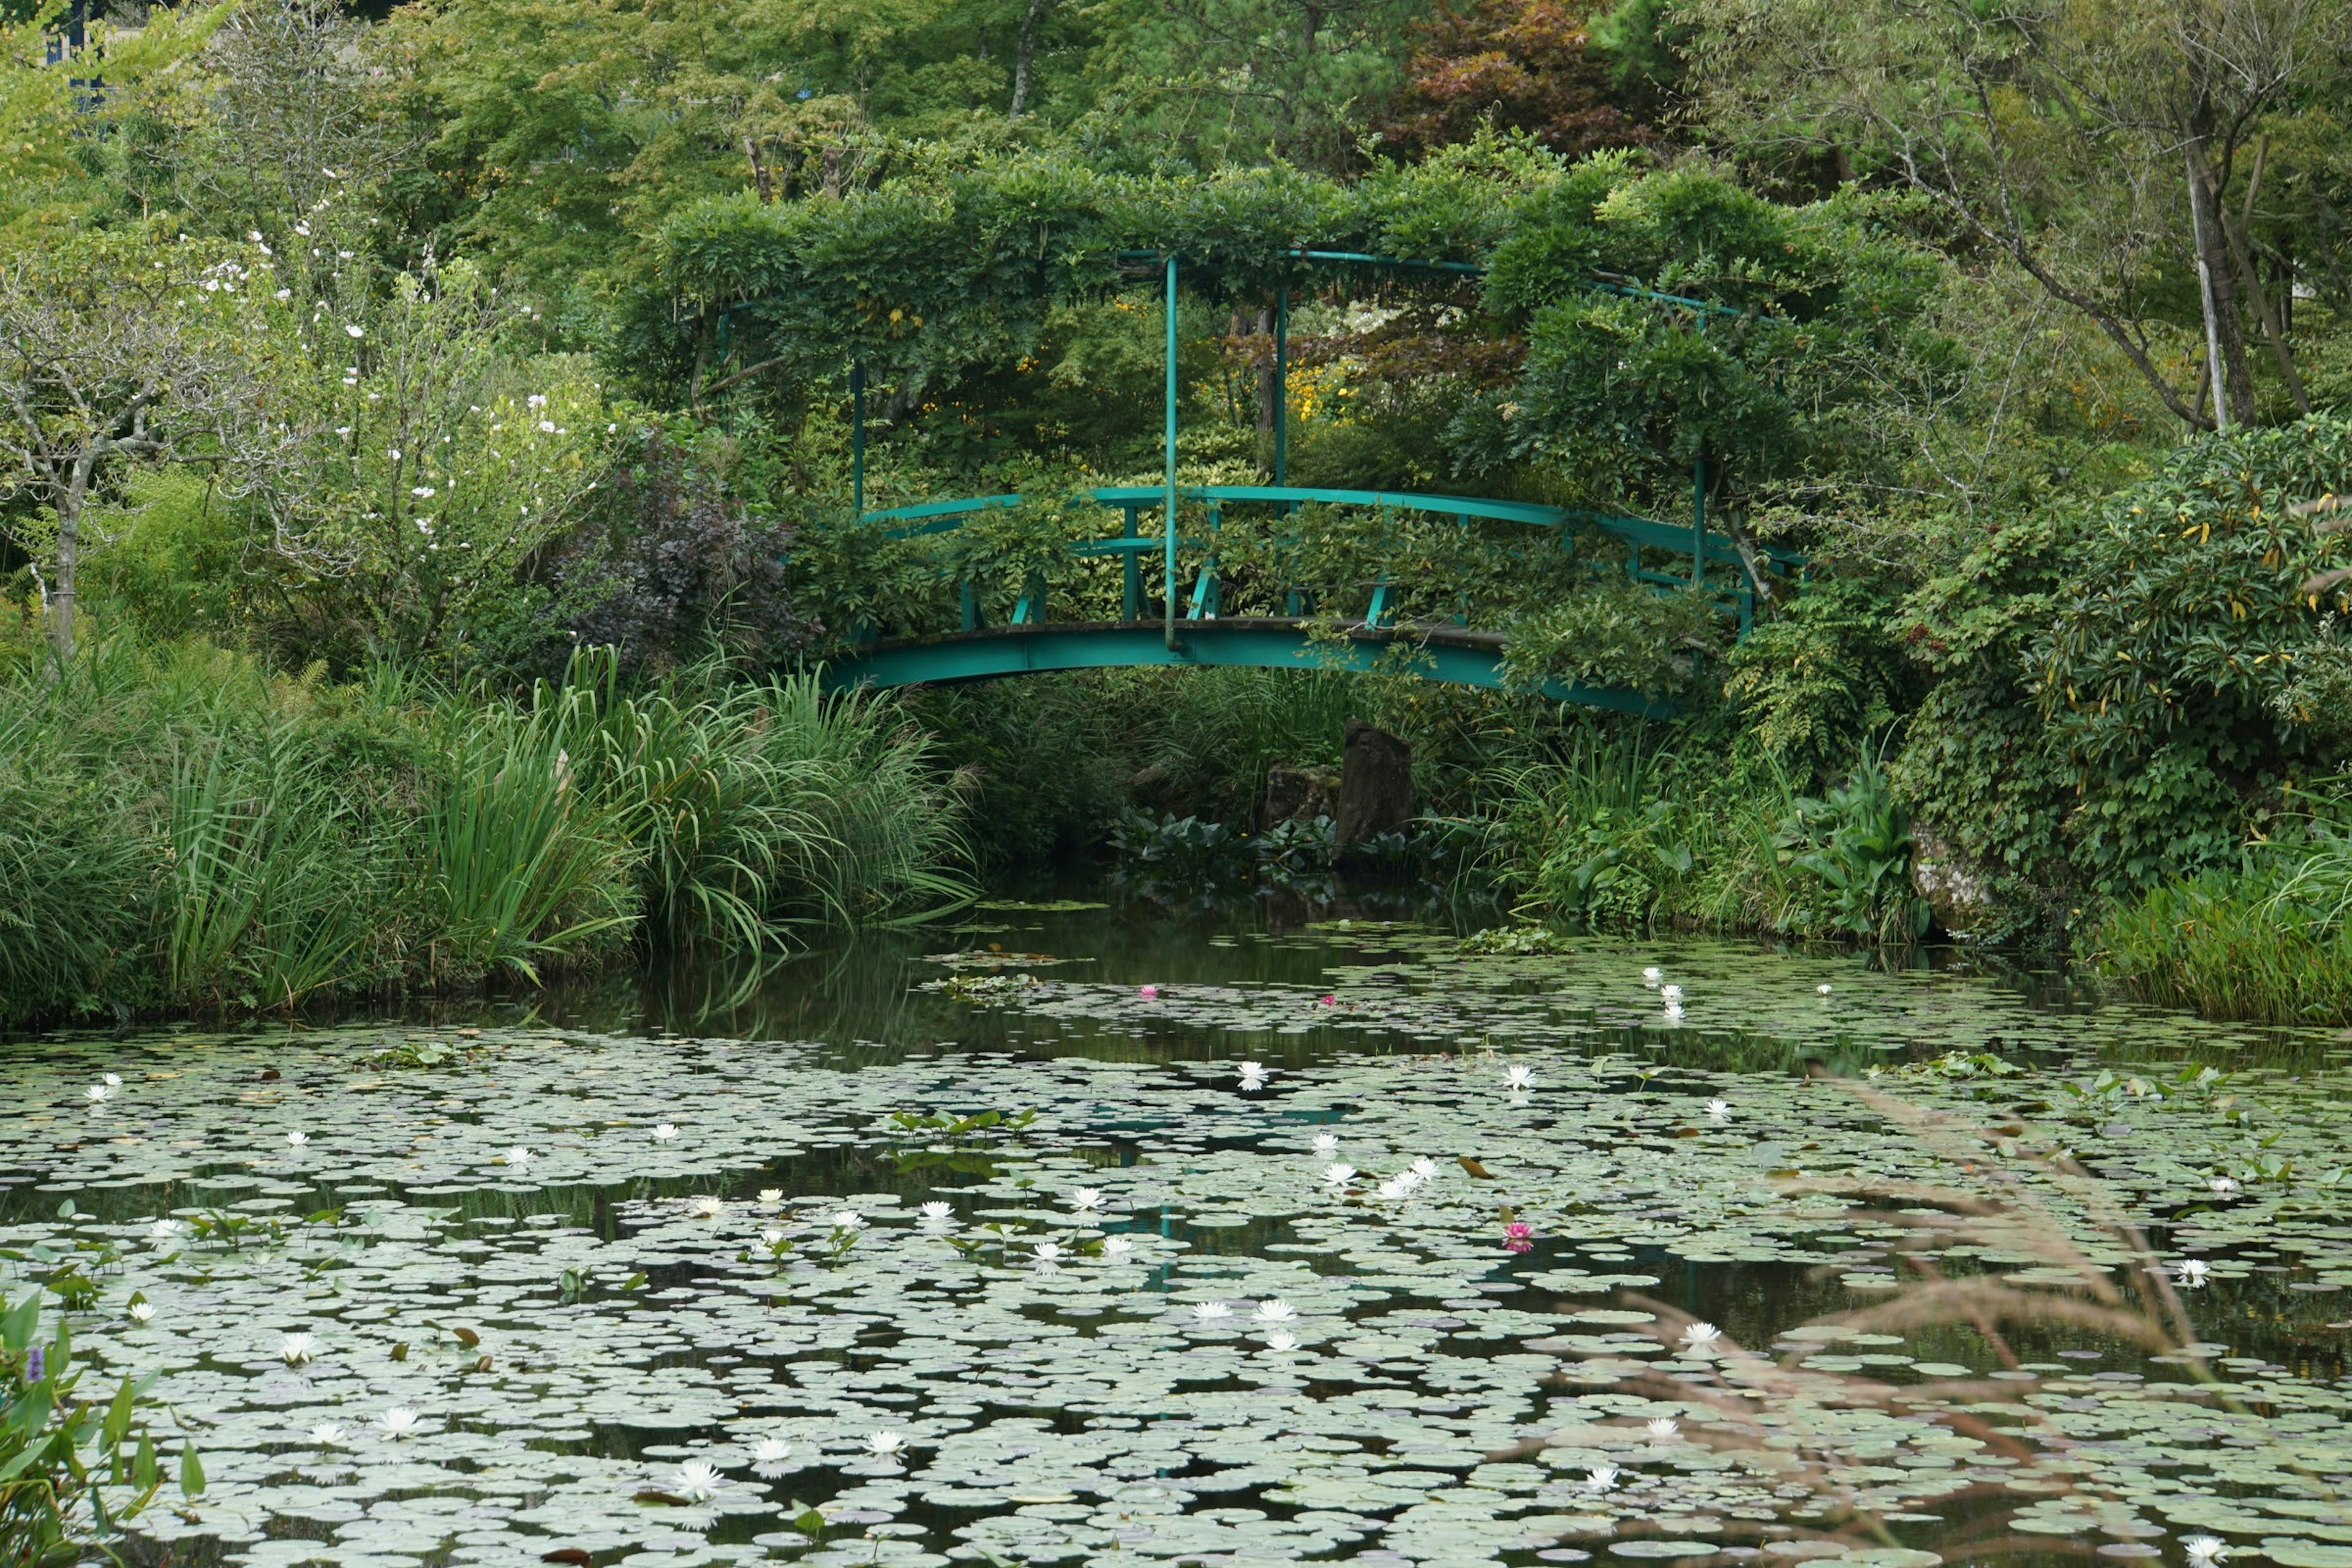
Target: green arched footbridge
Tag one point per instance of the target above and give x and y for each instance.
(1185, 627)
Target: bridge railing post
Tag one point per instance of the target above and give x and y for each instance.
(1131, 599)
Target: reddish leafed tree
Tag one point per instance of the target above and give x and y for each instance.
(1526, 65)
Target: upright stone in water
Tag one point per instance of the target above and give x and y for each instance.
(1375, 784)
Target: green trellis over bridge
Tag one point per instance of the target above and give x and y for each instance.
(1229, 575)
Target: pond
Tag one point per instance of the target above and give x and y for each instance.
(1084, 1235)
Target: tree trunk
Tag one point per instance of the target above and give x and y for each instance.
(61, 597)
(1024, 50)
(2220, 282)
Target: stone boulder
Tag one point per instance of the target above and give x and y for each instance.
(1961, 898)
(1375, 786)
(1297, 795)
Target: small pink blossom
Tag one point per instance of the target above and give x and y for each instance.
(1149, 993)
(1326, 1001)
(1517, 1237)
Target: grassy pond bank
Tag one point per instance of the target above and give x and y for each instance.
(1078, 1235)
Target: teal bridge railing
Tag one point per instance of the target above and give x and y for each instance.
(1191, 629)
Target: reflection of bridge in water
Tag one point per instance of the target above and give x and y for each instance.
(1190, 630)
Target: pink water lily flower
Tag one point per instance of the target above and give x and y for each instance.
(1518, 1235)
(1149, 993)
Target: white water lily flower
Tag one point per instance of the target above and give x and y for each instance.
(1395, 1187)
(706, 1207)
(1652, 974)
(298, 1138)
(141, 1311)
(699, 1481)
(399, 1422)
(113, 1080)
(2192, 1272)
(1338, 1175)
(1662, 1428)
(2205, 1550)
(885, 1444)
(1087, 1198)
(773, 1195)
(1518, 1077)
(1275, 1309)
(848, 1219)
(1701, 1336)
(520, 1156)
(938, 1213)
(163, 1229)
(665, 1132)
(1671, 993)
(1280, 1341)
(327, 1434)
(1718, 1110)
(1601, 1477)
(1117, 1247)
(2223, 1186)
(1825, 988)
(1049, 1251)
(1424, 1167)
(772, 1236)
(1326, 1141)
(768, 1458)
(299, 1349)
(1207, 1311)
(99, 1094)
(1253, 1075)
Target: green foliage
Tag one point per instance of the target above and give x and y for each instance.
(177, 548)
(1806, 318)
(2269, 938)
(2115, 694)
(1600, 843)
(1815, 680)
(179, 828)
(433, 471)
(74, 1470)
(1619, 634)
(525, 866)
(1857, 840)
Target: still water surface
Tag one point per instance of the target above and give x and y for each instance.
(987, 1245)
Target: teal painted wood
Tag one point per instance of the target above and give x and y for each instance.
(1446, 654)
(1190, 631)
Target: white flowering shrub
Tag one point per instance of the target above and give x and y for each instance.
(433, 466)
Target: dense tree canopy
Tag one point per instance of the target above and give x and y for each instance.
(543, 318)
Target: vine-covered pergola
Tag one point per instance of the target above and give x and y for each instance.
(913, 284)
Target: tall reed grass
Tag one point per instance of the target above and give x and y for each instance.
(1616, 829)
(181, 830)
(2269, 941)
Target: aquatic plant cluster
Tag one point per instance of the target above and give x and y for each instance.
(180, 829)
(1469, 1257)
